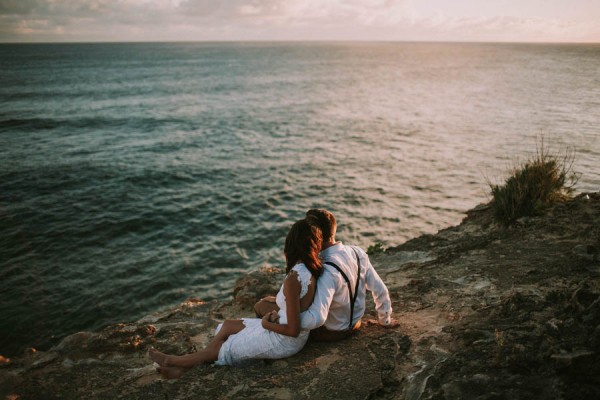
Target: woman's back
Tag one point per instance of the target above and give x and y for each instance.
(308, 298)
(307, 292)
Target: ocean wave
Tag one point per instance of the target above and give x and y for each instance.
(149, 173)
(145, 124)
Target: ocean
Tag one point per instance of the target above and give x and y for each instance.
(135, 175)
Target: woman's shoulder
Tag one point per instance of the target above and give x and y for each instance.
(300, 272)
(301, 276)
(300, 268)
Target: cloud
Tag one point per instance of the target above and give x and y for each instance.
(42, 8)
(328, 11)
(504, 28)
(27, 17)
(51, 20)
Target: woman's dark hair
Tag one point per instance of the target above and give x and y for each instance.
(303, 244)
(324, 220)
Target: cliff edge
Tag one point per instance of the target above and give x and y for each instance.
(485, 311)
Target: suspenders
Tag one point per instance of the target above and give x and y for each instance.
(352, 297)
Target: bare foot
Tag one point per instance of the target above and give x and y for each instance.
(158, 357)
(172, 372)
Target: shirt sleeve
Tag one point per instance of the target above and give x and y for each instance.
(316, 314)
(380, 293)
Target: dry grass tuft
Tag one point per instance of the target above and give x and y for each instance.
(534, 186)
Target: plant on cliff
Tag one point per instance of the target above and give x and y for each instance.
(534, 185)
(375, 248)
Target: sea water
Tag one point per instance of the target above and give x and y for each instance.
(133, 176)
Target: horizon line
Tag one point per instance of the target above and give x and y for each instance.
(300, 41)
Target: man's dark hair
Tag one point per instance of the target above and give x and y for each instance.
(324, 220)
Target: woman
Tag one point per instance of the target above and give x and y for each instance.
(238, 340)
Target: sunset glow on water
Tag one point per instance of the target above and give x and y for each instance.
(136, 175)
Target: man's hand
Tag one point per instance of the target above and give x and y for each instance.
(385, 319)
(389, 323)
(393, 323)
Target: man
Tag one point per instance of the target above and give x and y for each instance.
(337, 296)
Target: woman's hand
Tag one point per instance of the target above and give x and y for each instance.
(272, 317)
(291, 290)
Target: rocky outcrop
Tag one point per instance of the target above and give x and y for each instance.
(486, 312)
(256, 285)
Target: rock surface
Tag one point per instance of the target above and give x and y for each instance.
(485, 312)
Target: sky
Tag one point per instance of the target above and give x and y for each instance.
(274, 20)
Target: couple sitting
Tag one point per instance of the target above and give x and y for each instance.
(323, 295)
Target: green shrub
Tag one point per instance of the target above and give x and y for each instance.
(533, 186)
(375, 248)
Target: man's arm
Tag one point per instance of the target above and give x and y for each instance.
(316, 314)
(380, 293)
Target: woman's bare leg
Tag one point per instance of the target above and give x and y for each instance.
(209, 354)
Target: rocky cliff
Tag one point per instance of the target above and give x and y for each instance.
(485, 311)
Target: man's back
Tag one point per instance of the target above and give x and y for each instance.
(331, 306)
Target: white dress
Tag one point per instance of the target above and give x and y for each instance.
(255, 342)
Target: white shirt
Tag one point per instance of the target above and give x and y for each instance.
(331, 306)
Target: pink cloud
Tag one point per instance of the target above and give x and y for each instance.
(269, 19)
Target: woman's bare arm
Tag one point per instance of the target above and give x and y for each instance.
(291, 290)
